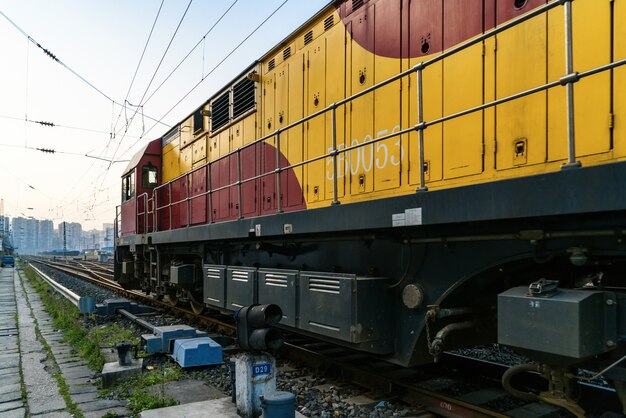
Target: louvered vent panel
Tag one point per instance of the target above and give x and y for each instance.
(324, 285)
(329, 22)
(170, 136)
(243, 97)
(356, 4)
(271, 64)
(308, 37)
(220, 114)
(287, 53)
(212, 273)
(278, 280)
(240, 276)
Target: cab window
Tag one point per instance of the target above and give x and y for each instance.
(149, 178)
(128, 187)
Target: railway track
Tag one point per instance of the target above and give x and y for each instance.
(460, 386)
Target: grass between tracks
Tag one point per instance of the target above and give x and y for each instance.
(66, 317)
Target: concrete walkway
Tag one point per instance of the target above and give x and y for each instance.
(27, 369)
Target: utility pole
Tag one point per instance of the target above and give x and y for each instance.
(64, 243)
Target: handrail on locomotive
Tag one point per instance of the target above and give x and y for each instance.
(567, 81)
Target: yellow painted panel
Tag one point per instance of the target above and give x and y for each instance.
(619, 86)
(186, 132)
(281, 105)
(295, 150)
(223, 142)
(171, 167)
(489, 126)
(360, 161)
(198, 164)
(172, 144)
(592, 95)
(214, 150)
(433, 135)
(199, 149)
(186, 158)
(335, 91)
(463, 89)
(315, 99)
(236, 134)
(521, 65)
(268, 103)
(249, 128)
(387, 108)
(281, 97)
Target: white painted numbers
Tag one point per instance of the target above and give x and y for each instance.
(365, 157)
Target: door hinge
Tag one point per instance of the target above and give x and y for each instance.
(611, 120)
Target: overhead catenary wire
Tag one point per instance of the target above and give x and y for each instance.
(182, 61)
(54, 151)
(140, 105)
(211, 71)
(58, 125)
(145, 47)
(67, 67)
(202, 40)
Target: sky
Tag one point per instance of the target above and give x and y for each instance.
(79, 79)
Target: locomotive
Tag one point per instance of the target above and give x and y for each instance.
(406, 177)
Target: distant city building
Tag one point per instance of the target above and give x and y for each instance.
(33, 236)
(70, 236)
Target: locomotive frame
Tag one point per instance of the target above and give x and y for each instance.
(400, 271)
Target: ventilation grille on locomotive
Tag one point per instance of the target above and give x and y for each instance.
(243, 97)
(329, 22)
(170, 136)
(308, 37)
(278, 280)
(220, 112)
(325, 285)
(286, 52)
(356, 4)
(271, 64)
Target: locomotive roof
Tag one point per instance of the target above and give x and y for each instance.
(272, 51)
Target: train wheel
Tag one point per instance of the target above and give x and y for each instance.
(196, 307)
(173, 298)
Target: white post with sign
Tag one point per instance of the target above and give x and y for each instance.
(255, 376)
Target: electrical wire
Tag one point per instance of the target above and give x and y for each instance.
(210, 72)
(140, 105)
(58, 125)
(54, 151)
(145, 47)
(202, 40)
(56, 59)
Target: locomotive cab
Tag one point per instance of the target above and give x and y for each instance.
(139, 179)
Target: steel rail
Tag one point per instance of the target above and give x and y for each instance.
(58, 287)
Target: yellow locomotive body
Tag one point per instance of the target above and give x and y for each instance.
(404, 177)
(323, 63)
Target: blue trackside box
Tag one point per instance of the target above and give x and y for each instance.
(163, 338)
(194, 352)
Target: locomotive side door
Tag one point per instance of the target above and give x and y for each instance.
(315, 130)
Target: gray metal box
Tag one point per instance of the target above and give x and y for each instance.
(576, 324)
(215, 285)
(344, 306)
(182, 275)
(279, 287)
(240, 287)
